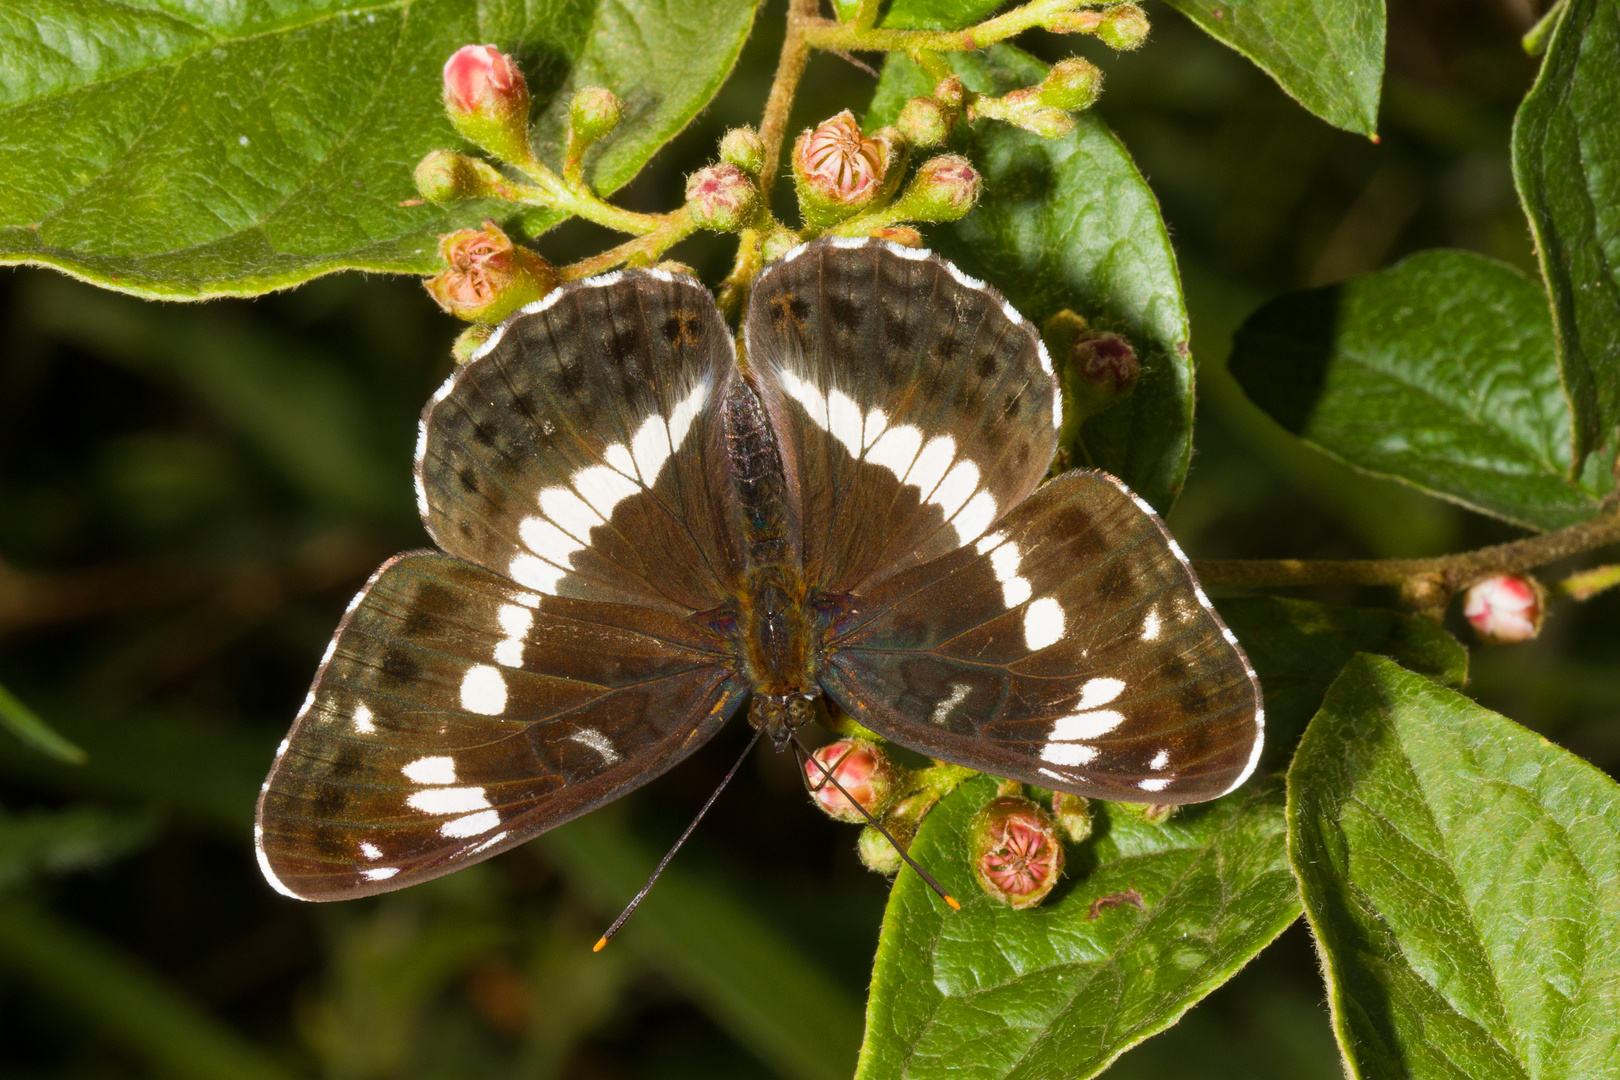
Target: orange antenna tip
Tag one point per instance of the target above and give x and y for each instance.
(951, 900)
(601, 943)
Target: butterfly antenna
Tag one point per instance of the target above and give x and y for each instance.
(647, 888)
(833, 780)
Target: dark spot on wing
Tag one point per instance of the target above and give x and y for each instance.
(468, 478)
(398, 667)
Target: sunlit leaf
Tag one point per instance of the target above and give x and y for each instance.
(1327, 54)
(207, 150)
(988, 992)
(1462, 875)
(1439, 372)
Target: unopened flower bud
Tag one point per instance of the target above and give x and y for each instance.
(443, 176)
(893, 149)
(1506, 609)
(904, 235)
(468, 342)
(1123, 27)
(1073, 816)
(593, 112)
(743, 148)
(1097, 367)
(950, 93)
(488, 101)
(945, 188)
(721, 197)
(925, 121)
(1015, 850)
(488, 277)
(1023, 108)
(880, 856)
(1071, 84)
(777, 243)
(837, 170)
(866, 772)
(1152, 813)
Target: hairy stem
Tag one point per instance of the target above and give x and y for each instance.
(642, 251)
(784, 87)
(852, 37)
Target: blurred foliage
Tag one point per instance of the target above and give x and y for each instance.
(189, 496)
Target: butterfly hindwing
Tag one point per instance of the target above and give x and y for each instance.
(1069, 648)
(575, 453)
(457, 714)
(917, 406)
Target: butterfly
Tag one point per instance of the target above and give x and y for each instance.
(642, 525)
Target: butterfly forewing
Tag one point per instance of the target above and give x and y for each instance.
(1070, 648)
(917, 405)
(458, 714)
(576, 454)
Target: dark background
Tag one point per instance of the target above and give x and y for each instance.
(190, 494)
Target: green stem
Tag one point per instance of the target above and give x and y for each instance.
(1588, 583)
(578, 199)
(848, 37)
(642, 251)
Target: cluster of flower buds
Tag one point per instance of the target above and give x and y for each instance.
(927, 121)
(1016, 851)
(1506, 609)
(1044, 109)
(1120, 26)
(489, 277)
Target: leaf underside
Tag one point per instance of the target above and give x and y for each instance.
(249, 148)
(1462, 875)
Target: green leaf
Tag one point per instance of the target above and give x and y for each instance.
(212, 150)
(773, 998)
(59, 841)
(1070, 223)
(923, 14)
(1439, 372)
(118, 995)
(988, 992)
(1566, 141)
(26, 725)
(1462, 875)
(1328, 55)
(1298, 648)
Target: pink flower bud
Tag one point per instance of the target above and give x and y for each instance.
(488, 101)
(1506, 609)
(488, 277)
(721, 197)
(1016, 854)
(945, 188)
(867, 773)
(837, 170)
(1106, 361)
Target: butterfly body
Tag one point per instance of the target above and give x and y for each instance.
(639, 533)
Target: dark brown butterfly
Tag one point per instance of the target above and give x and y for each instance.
(640, 530)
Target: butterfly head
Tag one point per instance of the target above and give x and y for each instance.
(780, 715)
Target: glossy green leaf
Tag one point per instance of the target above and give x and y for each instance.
(718, 951)
(117, 996)
(205, 150)
(1462, 875)
(1298, 647)
(1439, 372)
(988, 992)
(1328, 55)
(26, 725)
(59, 841)
(923, 14)
(1566, 143)
(1070, 223)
